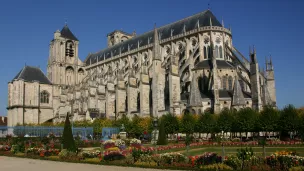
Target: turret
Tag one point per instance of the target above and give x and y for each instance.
(270, 80)
(255, 81)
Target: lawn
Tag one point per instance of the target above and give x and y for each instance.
(233, 150)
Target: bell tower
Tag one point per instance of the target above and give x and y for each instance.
(63, 62)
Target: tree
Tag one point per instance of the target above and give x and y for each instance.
(225, 121)
(206, 123)
(289, 120)
(245, 120)
(187, 123)
(171, 123)
(162, 138)
(67, 137)
(268, 119)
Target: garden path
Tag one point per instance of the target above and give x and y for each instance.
(17, 164)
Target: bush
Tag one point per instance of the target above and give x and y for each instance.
(67, 155)
(207, 159)
(234, 162)
(162, 138)
(213, 167)
(67, 137)
(170, 158)
(114, 155)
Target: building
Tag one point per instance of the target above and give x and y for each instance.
(189, 64)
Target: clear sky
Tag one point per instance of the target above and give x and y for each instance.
(274, 26)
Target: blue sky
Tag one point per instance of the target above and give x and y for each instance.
(274, 26)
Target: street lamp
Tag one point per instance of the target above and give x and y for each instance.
(155, 124)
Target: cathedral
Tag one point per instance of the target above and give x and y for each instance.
(190, 64)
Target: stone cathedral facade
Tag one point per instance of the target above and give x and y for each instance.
(189, 65)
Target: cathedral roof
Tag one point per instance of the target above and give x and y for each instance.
(207, 64)
(66, 33)
(30, 74)
(178, 27)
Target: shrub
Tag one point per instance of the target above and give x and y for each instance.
(90, 154)
(113, 155)
(207, 159)
(233, 161)
(170, 158)
(67, 155)
(213, 167)
(162, 138)
(67, 137)
(108, 144)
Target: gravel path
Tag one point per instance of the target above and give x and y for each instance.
(22, 164)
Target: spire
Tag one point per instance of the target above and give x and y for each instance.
(156, 44)
(250, 51)
(223, 23)
(238, 96)
(66, 33)
(198, 24)
(253, 59)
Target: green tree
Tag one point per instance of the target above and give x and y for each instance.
(67, 137)
(187, 123)
(162, 138)
(268, 119)
(245, 120)
(225, 121)
(289, 120)
(98, 124)
(206, 123)
(171, 123)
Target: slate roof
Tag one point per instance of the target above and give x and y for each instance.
(66, 33)
(190, 23)
(30, 74)
(207, 64)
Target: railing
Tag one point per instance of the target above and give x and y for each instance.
(41, 131)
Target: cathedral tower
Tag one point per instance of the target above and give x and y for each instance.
(64, 64)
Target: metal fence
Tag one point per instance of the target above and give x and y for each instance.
(41, 131)
(108, 132)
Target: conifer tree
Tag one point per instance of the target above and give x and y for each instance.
(162, 138)
(67, 136)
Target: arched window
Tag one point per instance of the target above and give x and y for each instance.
(221, 52)
(44, 97)
(230, 82)
(69, 49)
(209, 52)
(69, 75)
(225, 82)
(216, 52)
(205, 52)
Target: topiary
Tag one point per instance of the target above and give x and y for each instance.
(67, 137)
(162, 138)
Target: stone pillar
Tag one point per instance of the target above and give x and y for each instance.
(144, 89)
(110, 100)
(132, 95)
(101, 91)
(216, 106)
(174, 87)
(120, 98)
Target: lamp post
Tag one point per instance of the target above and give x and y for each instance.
(155, 124)
(223, 150)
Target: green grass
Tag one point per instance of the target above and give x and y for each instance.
(233, 150)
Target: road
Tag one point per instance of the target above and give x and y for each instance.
(20, 164)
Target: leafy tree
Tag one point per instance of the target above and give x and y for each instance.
(206, 123)
(187, 123)
(162, 138)
(245, 120)
(268, 119)
(171, 123)
(98, 124)
(225, 121)
(289, 120)
(67, 137)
